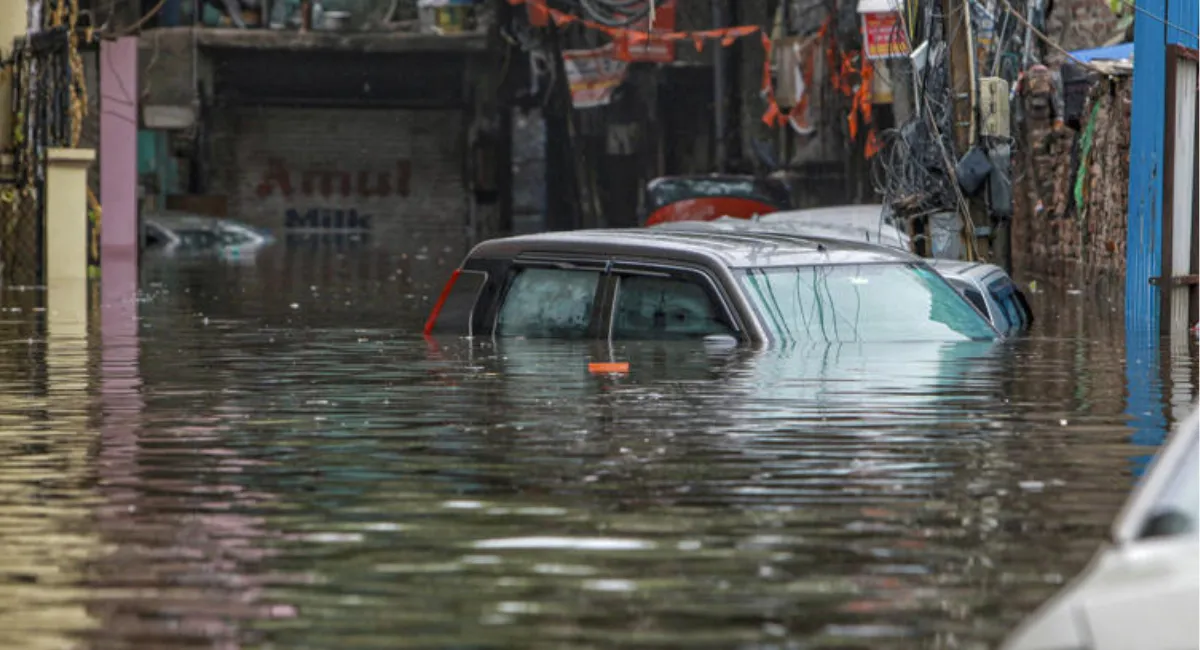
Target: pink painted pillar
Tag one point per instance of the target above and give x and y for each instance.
(118, 168)
(120, 376)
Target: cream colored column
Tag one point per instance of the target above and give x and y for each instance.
(65, 238)
(66, 213)
(14, 23)
(66, 554)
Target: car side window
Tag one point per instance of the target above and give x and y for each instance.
(198, 238)
(651, 307)
(548, 303)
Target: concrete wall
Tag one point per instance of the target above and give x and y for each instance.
(382, 177)
(1081, 244)
(1077, 25)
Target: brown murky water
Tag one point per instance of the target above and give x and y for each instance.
(273, 459)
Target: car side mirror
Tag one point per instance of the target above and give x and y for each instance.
(1165, 523)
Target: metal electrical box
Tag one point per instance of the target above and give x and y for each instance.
(993, 107)
(789, 61)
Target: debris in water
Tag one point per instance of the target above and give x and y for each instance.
(613, 368)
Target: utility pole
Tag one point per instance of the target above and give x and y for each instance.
(957, 21)
(964, 97)
(719, 149)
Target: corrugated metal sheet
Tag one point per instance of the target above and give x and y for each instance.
(329, 78)
(1144, 246)
(1186, 14)
(1144, 249)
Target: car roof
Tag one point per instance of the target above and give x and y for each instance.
(749, 249)
(871, 210)
(963, 269)
(177, 220)
(797, 223)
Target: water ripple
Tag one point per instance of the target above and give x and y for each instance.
(238, 473)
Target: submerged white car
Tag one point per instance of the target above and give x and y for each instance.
(865, 223)
(186, 234)
(1142, 589)
(991, 290)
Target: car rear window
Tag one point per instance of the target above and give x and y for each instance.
(862, 303)
(548, 303)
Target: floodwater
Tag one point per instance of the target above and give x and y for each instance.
(273, 458)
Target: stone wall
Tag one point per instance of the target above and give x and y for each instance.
(1053, 236)
(1077, 25)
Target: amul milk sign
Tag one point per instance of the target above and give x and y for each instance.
(315, 191)
(387, 176)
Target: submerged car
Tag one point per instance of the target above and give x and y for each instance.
(755, 288)
(989, 287)
(707, 197)
(991, 290)
(1142, 589)
(187, 233)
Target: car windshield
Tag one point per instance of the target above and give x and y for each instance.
(864, 303)
(671, 190)
(235, 235)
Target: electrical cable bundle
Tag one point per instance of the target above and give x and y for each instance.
(910, 173)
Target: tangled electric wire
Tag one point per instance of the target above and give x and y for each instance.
(911, 171)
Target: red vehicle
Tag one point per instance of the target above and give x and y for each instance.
(704, 198)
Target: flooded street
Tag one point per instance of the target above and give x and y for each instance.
(276, 458)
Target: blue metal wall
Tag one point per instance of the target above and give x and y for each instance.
(1184, 14)
(1144, 252)
(1143, 358)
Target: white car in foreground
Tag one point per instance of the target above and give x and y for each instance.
(1142, 589)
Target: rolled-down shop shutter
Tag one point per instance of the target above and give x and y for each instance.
(383, 178)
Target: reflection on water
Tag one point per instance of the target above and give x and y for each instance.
(263, 463)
